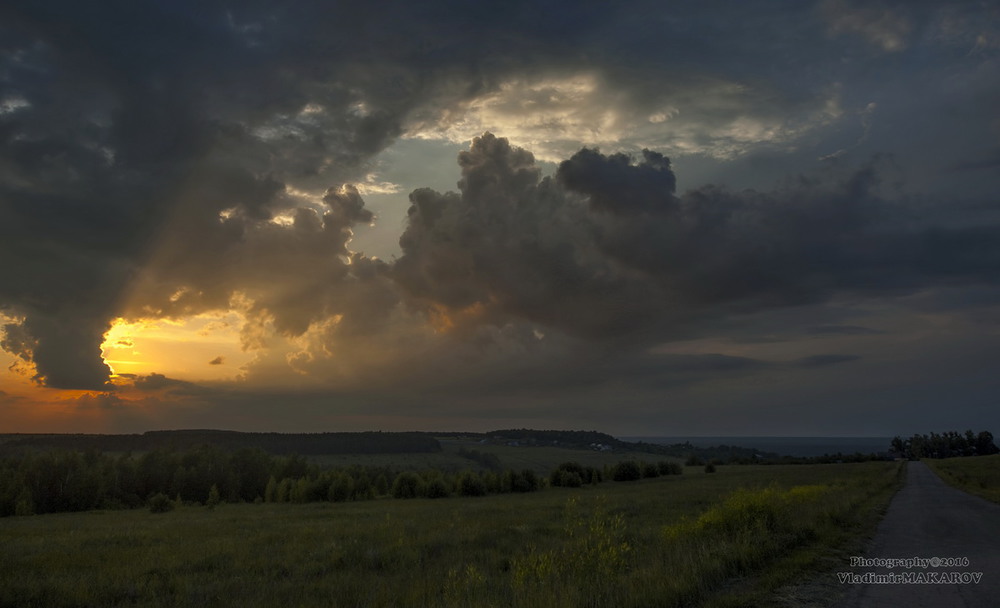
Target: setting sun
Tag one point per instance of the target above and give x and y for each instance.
(198, 348)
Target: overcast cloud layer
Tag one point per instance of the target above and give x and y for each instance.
(735, 217)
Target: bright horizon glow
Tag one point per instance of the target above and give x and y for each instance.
(183, 349)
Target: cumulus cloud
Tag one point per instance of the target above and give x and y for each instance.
(163, 161)
(608, 252)
(690, 114)
(100, 401)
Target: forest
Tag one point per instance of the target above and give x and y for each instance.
(945, 445)
(33, 482)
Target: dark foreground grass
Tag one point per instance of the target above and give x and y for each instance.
(728, 538)
(979, 475)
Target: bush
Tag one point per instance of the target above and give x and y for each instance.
(160, 503)
(574, 475)
(565, 479)
(710, 468)
(406, 485)
(341, 488)
(437, 488)
(650, 470)
(669, 468)
(626, 471)
(470, 484)
(524, 481)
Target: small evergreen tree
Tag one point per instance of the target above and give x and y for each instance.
(213, 497)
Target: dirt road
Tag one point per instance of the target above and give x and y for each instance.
(929, 519)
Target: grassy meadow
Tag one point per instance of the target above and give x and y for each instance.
(731, 538)
(979, 475)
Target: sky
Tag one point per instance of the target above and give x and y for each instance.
(644, 218)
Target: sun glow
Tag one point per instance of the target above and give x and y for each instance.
(200, 347)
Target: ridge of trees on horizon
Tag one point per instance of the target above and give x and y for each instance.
(945, 445)
(364, 442)
(33, 482)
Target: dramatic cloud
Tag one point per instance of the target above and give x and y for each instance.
(648, 175)
(607, 245)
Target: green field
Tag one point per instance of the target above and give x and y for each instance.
(726, 539)
(979, 475)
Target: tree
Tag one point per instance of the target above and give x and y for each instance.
(985, 445)
(341, 489)
(271, 490)
(213, 497)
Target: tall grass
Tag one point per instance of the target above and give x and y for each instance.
(670, 541)
(979, 475)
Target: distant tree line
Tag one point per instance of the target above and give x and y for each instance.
(579, 439)
(945, 445)
(272, 443)
(33, 482)
(58, 481)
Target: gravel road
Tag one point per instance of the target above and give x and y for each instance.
(928, 519)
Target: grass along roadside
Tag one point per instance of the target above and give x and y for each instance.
(670, 541)
(979, 475)
(814, 531)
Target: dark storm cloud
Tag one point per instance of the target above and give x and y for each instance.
(844, 330)
(608, 246)
(128, 125)
(824, 360)
(512, 243)
(986, 161)
(159, 382)
(145, 151)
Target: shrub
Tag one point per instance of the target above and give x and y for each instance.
(574, 475)
(406, 485)
(710, 468)
(437, 488)
(627, 470)
(650, 470)
(525, 481)
(565, 479)
(470, 484)
(363, 488)
(160, 503)
(669, 468)
(381, 485)
(341, 488)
